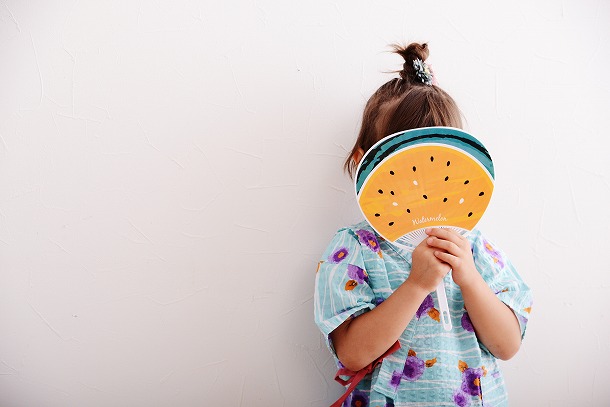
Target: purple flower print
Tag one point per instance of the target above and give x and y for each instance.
(359, 399)
(396, 378)
(471, 381)
(414, 368)
(378, 301)
(471, 384)
(528, 310)
(494, 254)
(358, 274)
(467, 323)
(368, 239)
(523, 319)
(460, 398)
(339, 255)
(425, 306)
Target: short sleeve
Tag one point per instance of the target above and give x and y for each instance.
(502, 278)
(342, 287)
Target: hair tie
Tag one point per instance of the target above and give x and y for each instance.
(423, 72)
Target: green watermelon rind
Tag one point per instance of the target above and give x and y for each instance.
(393, 143)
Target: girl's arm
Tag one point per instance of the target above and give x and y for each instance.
(494, 322)
(359, 341)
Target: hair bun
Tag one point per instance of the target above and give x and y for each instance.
(410, 53)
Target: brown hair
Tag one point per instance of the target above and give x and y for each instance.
(402, 104)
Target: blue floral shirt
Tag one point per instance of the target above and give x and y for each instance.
(433, 367)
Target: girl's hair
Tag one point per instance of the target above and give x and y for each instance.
(402, 104)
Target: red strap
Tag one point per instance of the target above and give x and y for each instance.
(356, 377)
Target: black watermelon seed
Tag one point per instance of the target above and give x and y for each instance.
(445, 200)
(392, 192)
(447, 178)
(425, 196)
(391, 223)
(448, 163)
(431, 158)
(380, 191)
(481, 193)
(470, 214)
(466, 182)
(377, 215)
(414, 169)
(391, 172)
(408, 210)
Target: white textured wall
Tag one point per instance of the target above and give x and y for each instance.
(170, 172)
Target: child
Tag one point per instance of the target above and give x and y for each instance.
(375, 303)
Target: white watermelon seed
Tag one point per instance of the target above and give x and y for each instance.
(461, 200)
(414, 182)
(395, 203)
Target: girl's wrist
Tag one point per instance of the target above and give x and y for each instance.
(473, 283)
(416, 289)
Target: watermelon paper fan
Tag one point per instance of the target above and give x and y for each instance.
(420, 178)
(425, 177)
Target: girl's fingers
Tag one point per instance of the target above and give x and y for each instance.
(446, 245)
(444, 233)
(447, 234)
(448, 258)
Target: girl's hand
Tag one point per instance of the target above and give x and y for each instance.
(427, 270)
(453, 249)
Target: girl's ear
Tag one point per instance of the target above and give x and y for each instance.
(358, 155)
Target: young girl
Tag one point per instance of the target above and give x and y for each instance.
(375, 303)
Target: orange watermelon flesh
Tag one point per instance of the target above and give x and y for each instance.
(424, 186)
